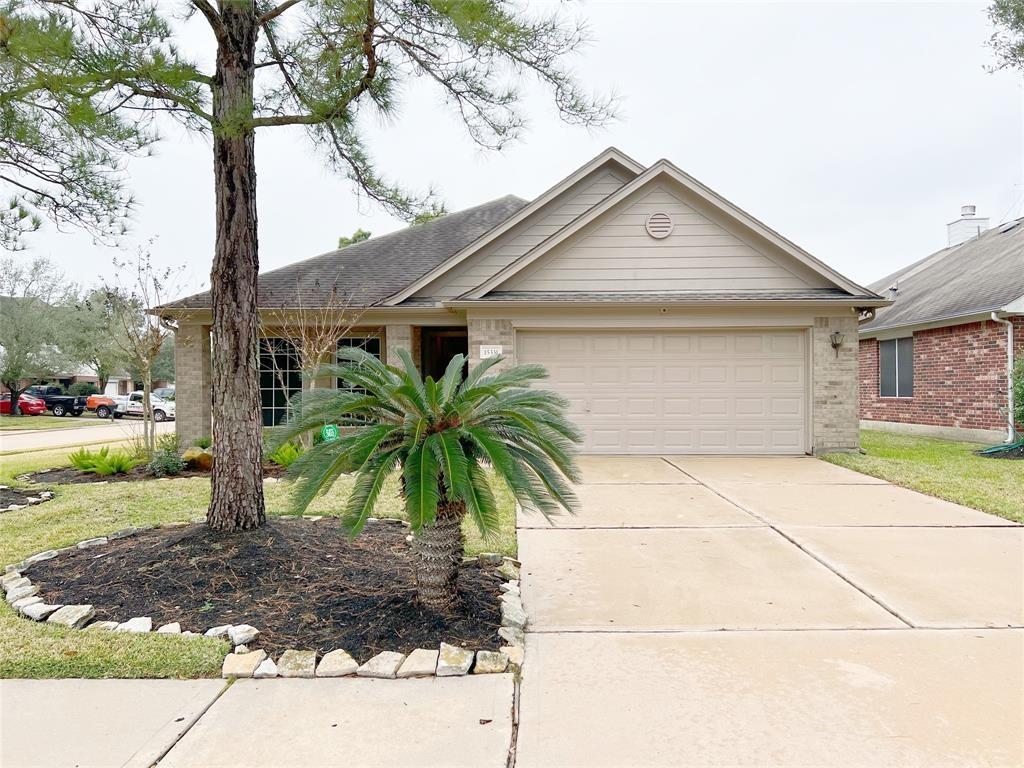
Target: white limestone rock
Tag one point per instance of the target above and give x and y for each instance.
(102, 626)
(513, 615)
(266, 669)
(295, 663)
(453, 661)
(337, 663)
(26, 601)
(515, 654)
(139, 624)
(74, 616)
(92, 542)
(41, 556)
(39, 611)
(420, 663)
(242, 664)
(241, 634)
(385, 664)
(174, 628)
(21, 581)
(18, 593)
(490, 663)
(512, 636)
(221, 631)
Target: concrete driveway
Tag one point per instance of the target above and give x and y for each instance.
(769, 611)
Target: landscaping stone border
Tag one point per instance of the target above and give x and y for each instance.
(31, 499)
(247, 661)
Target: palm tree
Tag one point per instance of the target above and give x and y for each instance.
(443, 434)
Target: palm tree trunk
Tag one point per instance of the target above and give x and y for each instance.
(437, 554)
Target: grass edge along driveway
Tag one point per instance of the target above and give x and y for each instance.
(77, 512)
(945, 469)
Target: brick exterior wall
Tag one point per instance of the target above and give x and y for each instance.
(401, 337)
(192, 373)
(490, 331)
(835, 426)
(959, 377)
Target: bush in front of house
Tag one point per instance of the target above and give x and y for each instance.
(83, 389)
(285, 454)
(1018, 393)
(166, 463)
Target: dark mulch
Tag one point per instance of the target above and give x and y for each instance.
(70, 475)
(303, 584)
(10, 496)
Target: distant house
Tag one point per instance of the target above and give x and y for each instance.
(935, 362)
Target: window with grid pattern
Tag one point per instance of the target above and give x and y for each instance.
(280, 378)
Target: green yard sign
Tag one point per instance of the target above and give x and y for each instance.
(329, 432)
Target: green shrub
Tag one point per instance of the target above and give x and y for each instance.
(202, 442)
(117, 463)
(166, 463)
(85, 460)
(285, 454)
(102, 462)
(83, 389)
(168, 442)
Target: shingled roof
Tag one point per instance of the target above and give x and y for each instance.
(981, 275)
(366, 273)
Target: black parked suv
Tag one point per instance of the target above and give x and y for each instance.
(58, 403)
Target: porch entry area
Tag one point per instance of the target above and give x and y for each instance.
(438, 346)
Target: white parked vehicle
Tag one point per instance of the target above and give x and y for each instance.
(132, 405)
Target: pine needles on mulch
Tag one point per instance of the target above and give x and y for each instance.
(303, 584)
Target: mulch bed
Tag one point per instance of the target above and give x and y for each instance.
(70, 475)
(303, 584)
(10, 496)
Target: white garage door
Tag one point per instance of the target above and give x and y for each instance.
(679, 391)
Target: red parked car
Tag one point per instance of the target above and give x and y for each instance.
(28, 405)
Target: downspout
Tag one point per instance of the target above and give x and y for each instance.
(1011, 431)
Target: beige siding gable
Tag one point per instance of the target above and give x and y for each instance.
(706, 250)
(490, 260)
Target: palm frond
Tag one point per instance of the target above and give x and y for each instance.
(420, 477)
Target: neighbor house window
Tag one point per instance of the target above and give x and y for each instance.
(896, 367)
(369, 344)
(280, 378)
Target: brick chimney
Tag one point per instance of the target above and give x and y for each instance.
(967, 226)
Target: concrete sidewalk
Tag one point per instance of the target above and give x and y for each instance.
(343, 722)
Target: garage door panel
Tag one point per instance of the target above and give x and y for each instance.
(678, 392)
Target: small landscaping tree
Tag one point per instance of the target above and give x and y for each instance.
(1017, 385)
(442, 434)
(143, 335)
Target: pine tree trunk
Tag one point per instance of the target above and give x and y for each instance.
(437, 553)
(237, 497)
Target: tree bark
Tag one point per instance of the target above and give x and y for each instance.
(237, 495)
(437, 553)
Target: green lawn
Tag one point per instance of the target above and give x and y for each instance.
(78, 512)
(45, 421)
(942, 468)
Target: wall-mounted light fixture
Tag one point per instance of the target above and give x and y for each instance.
(836, 339)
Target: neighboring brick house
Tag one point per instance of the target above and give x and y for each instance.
(671, 320)
(936, 362)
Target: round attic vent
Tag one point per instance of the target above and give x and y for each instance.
(659, 225)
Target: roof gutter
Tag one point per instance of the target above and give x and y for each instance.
(1010, 426)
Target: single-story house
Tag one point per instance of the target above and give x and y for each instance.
(673, 321)
(936, 362)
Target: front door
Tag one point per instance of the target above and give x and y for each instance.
(438, 346)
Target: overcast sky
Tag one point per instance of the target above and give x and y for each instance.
(855, 130)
